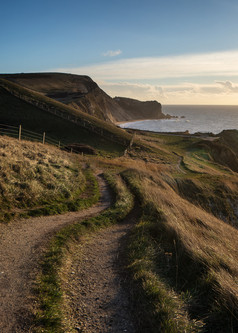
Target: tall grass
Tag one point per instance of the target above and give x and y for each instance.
(191, 251)
(37, 179)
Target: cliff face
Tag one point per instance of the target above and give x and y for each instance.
(84, 94)
(137, 110)
(225, 150)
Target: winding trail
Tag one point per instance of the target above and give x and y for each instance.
(22, 244)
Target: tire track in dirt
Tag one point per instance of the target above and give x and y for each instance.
(22, 244)
(94, 283)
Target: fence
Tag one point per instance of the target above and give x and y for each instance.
(22, 134)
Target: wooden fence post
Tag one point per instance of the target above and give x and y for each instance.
(132, 139)
(19, 133)
(43, 141)
(59, 144)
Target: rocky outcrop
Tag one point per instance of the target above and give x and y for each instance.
(85, 95)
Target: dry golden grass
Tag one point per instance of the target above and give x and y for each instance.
(203, 248)
(122, 163)
(33, 174)
(207, 241)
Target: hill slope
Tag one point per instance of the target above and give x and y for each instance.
(84, 94)
(34, 110)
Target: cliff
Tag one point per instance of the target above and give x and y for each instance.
(137, 110)
(85, 95)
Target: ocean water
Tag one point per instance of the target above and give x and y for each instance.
(197, 118)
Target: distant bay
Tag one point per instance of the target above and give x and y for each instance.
(194, 118)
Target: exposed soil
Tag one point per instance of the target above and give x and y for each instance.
(22, 244)
(93, 281)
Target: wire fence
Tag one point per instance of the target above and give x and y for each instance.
(23, 134)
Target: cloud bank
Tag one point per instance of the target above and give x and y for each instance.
(219, 93)
(118, 77)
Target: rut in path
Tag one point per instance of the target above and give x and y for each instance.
(93, 282)
(22, 244)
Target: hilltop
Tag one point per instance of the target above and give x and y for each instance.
(82, 93)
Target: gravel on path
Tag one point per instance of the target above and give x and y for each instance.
(93, 283)
(22, 245)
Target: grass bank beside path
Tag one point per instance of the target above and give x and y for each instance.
(49, 314)
(182, 262)
(37, 179)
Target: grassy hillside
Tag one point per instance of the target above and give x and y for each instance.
(18, 103)
(78, 91)
(182, 254)
(183, 262)
(37, 179)
(15, 112)
(83, 94)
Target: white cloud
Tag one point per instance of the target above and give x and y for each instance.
(228, 86)
(111, 53)
(117, 78)
(211, 64)
(133, 90)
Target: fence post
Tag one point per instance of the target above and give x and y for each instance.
(59, 144)
(132, 139)
(43, 141)
(19, 133)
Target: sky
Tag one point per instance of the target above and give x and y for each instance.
(172, 51)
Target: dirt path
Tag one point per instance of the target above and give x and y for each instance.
(95, 299)
(21, 246)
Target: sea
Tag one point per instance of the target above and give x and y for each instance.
(192, 118)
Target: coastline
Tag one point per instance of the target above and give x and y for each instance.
(118, 123)
(197, 119)
(166, 117)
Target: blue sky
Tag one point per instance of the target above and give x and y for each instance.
(174, 51)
